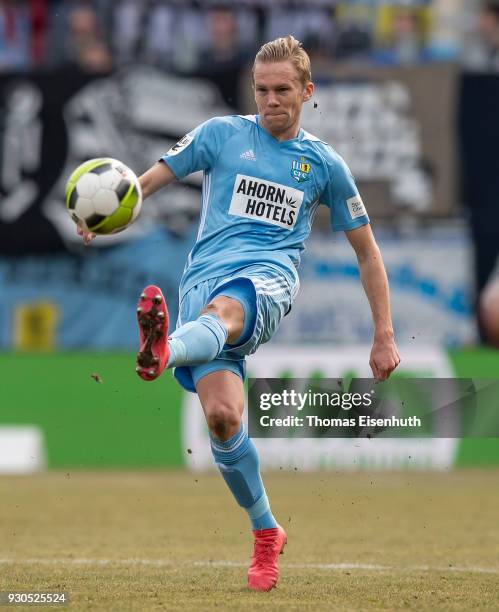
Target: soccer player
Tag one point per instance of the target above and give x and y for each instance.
(264, 178)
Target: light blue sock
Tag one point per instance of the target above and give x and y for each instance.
(198, 341)
(238, 463)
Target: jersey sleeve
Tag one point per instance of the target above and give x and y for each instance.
(342, 197)
(197, 150)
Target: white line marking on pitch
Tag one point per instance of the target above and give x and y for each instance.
(319, 566)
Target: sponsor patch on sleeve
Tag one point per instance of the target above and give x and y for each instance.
(356, 207)
(181, 145)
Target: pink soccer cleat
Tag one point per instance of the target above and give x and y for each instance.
(264, 569)
(152, 317)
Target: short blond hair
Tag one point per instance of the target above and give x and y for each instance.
(283, 49)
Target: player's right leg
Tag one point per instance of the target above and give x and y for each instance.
(196, 342)
(153, 320)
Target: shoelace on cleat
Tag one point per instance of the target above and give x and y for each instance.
(263, 552)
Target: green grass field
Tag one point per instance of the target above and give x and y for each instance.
(177, 541)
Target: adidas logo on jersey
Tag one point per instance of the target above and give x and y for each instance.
(249, 155)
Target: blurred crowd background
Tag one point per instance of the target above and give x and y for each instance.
(192, 36)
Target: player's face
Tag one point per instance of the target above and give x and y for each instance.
(279, 96)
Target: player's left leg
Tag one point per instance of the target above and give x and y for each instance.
(222, 396)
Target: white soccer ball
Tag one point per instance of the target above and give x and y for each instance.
(103, 196)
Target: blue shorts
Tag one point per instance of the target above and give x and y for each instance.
(266, 295)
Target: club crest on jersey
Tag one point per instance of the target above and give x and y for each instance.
(300, 170)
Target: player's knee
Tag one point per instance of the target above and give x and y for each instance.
(215, 308)
(225, 308)
(222, 419)
(230, 312)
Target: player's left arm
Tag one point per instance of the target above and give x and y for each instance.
(384, 354)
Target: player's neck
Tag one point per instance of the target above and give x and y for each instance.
(287, 134)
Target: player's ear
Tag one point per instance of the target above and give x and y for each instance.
(308, 91)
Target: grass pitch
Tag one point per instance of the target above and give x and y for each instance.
(177, 541)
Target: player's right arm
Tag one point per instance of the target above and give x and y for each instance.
(158, 176)
(197, 150)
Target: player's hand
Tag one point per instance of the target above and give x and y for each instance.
(87, 236)
(384, 358)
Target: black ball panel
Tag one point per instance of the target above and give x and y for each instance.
(101, 169)
(122, 188)
(94, 220)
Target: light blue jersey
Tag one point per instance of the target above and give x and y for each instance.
(260, 196)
